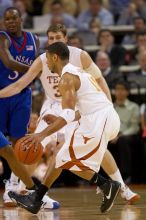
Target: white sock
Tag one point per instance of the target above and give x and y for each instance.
(21, 186)
(14, 178)
(117, 176)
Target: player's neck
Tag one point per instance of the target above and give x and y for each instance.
(17, 34)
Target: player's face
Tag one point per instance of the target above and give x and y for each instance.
(12, 21)
(54, 37)
(51, 61)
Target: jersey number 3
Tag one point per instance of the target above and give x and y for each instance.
(14, 75)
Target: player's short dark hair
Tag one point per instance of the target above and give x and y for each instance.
(11, 9)
(57, 28)
(60, 49)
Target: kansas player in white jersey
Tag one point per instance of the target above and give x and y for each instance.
(50, 83)
(84, 147)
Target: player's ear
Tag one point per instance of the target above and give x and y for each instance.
(55, 57)
(66, 39)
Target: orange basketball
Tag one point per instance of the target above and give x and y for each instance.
(28, 155)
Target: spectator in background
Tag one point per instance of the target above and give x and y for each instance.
(122, 147)
(95, 26)
(75, 41)
(143, 119)
(96, 10)
(139, 25)
(141, 41)
(138, 78)
(141, 8)
(110, 74)
(27, 20)
(89, 37)
(116, 6)
(143, 128)
(140, 46)
(34, 7)
(128, 14)
(3, 5)
(70, 7)
(56, 10)
(115, 52)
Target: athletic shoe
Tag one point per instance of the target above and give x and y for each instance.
(110, 190)
(9, 185)
(49, 203)
(129, 196)
(30, 202)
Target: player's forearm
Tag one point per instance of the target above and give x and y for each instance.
(54, 127)
(16, 66)
(103, 85)
(10, 90)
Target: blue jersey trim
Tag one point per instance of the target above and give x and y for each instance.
(5, 33)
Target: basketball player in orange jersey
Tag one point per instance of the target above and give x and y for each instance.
(84, 147)
(52, 105)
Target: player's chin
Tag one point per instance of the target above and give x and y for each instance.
(12, 30)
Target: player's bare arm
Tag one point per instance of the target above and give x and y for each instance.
(24, 81)
(68, 86)
(93, 69)
(7, 58)
(49, 118)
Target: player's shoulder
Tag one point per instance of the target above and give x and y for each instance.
(43, 57)
(68, 68)
(74, 49)
(5, 38)
(4, 35)
(69, 72)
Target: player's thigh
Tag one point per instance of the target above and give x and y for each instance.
(113, 125)
(20, 116)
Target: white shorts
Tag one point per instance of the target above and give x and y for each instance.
(86, 141)
(53, 108)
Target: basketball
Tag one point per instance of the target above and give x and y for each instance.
(28, 155)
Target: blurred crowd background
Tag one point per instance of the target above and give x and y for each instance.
(113, 32)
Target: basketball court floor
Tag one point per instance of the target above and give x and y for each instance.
(81, 204)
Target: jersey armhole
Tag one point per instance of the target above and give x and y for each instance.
(7, 36)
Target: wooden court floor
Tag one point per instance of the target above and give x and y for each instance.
(80, 204)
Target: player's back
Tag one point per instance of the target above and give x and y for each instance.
(90, 97)
(23, 50)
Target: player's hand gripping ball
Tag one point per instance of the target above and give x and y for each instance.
(28, 154)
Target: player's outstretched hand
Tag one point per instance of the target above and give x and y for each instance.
(33, 139)
(49, 119)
